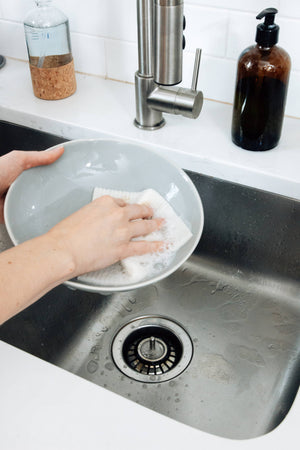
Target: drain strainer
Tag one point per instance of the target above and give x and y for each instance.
(152, 349)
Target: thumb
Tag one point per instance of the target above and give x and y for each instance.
(41, 158)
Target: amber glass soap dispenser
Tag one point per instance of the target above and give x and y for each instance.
(261, 89)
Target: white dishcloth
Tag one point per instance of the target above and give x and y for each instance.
(174, 233)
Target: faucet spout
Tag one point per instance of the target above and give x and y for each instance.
(160, 46)
(168, 25)
(145, 37)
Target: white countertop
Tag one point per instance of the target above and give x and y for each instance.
(103, 107)
(44, 407)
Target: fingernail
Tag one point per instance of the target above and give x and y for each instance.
(56, 149)
(161, 222)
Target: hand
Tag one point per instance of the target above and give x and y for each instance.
(12, 165)
(101, 233)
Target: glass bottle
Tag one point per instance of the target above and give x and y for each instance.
(261, 89)
(49, 51)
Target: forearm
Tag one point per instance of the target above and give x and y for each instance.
(30, 270)
(96, 236)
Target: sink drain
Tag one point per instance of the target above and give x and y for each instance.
(152, 349)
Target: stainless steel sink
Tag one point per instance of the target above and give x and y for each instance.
(216, 345)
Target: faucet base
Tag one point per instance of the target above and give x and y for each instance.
(149, 128)
(147, 118)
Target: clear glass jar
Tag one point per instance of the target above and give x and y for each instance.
(49, 51)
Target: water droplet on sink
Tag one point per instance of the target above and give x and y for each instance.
(251, 355)
(109, 366)
(220, 286)
(287, 328)
(92, 366)
(215, 367)
(236, 311)
(127, 308)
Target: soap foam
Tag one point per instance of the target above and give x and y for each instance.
(133, 269)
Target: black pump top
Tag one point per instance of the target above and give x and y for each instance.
(267, 32)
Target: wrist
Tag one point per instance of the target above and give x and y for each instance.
(60, 256)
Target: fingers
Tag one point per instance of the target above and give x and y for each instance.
(134, 216)
(109, 202)
(138, 248)
(136, 211)
(132, 211)
(120, 202)
(40, 158)
(144, 227)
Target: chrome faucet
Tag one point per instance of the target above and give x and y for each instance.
(160, 45)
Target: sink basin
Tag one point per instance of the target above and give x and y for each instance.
(216, 345)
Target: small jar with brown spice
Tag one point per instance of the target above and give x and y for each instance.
(49, 51)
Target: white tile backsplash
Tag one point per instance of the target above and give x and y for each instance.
(289, 39)
(122, 60)
(214, 74)
(254, 5)
(12, 40)
(290, 8)
(241, 33)
(103, 34)
(115, 19)
(89, 54)
(292, 103)
(206, 28)
(16, 9)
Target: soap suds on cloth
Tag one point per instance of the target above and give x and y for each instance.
(174, 233)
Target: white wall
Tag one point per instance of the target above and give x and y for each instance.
(103, 34)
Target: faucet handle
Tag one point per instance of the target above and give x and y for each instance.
(174, 100)
(196, 69)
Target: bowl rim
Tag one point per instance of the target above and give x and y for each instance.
(106, 290)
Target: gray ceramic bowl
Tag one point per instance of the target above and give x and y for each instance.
(43, 196)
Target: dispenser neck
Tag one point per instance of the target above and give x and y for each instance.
(267, 32)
